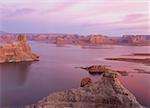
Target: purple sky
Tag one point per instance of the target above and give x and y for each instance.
(108, 17)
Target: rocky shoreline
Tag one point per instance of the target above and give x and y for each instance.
(145, 61)
(107, 92)
(141, 54)
(17, 51)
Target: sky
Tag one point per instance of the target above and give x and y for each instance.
(108, 17)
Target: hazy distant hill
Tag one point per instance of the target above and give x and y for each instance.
(92, 39)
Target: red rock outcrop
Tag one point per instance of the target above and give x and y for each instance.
(135, 40)
(105, 93)
(17, 51)
(99, 39)
(60, 41)
(96, 39)
(85, 81)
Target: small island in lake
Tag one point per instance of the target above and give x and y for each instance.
(145, 60)
(17, 51)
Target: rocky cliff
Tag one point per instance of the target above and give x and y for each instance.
(135, 39)
(17, 51)
(99, 39)
(108, 92)
(60, 41)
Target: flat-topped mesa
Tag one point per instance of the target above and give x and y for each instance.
(17, 51)
(107, 92)
(60, 41)
(99, 39)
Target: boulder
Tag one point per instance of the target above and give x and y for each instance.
(85, 81)
(96, 69)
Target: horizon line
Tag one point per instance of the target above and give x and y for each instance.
(1, 31)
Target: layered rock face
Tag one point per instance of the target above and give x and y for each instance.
(76, 39)
(96, 39)
(60, 41)
(17, 51)
(99, 39)
(105, 93)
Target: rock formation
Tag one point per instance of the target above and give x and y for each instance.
(135, 39)
(105, 93)
(17, 51)
(145, 61)
(99, 39)
(96, 69)
(85, 81)
(60, 41)
(75, 39)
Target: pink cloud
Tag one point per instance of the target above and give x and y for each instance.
(129, 19)
(135, 18)
(63, 6)
(80, 14)
(9, 13)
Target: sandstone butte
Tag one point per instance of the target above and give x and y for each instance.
(17, 51)
(107, 92)
(60, 41)
(99, 39)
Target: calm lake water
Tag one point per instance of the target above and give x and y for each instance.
(27, 82)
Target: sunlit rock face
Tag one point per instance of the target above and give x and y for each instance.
(99, 39)
(107, 92)
(17, 51)
(60, 41)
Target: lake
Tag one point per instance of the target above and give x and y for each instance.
(27, 82)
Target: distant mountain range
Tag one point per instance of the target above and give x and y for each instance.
(62, 39)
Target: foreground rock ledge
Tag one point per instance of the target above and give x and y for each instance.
(17, 51)
(105, 93)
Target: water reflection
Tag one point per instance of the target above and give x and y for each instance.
(14, 73)
(26, 83)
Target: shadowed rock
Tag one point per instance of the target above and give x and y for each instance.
(99, 69)
(17, 51)
(105, 93)
(85, 81)
(96, 69)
